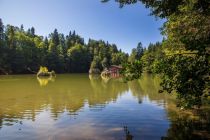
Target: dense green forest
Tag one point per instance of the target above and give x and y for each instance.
(183, 57)
(23, 51)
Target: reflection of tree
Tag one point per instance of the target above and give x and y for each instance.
(148, 86)
(136, 90)
(185, 125)
(127, 133)
(187, 129)
(43, 81)
(1, 122)
(23, 97)
(104, 92)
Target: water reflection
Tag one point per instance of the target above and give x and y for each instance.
(43, 81)
(186, 129)
(127, 133)
(78, 103)
(24, 99)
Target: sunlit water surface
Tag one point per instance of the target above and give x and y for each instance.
(83, 107)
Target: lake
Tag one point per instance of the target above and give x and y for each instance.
(83, 107)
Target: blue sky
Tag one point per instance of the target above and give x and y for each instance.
(90, 18)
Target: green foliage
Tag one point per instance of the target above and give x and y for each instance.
(183, 58)
(119, 58)
(132, 70)
(187, 76)
(151, 55)
(133, 55)
(1, 33)
(136, 53)
(79, 58)
(24, 52)
(185, 67)
(43, 69)
(103, 54)
(165, 8)
(95, 66)
(105, 63)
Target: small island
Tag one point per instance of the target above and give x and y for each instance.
(43, 72)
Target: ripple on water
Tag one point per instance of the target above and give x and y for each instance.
(75, 107)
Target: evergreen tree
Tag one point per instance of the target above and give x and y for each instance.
(133, 55)
(140, 51)
(10, 33)
(21, 28)
(55, 38)
(1, 32)
(32, 31)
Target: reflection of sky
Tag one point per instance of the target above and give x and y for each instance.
(145, 121)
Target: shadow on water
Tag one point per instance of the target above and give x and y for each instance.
(194, 126)
(127, 133)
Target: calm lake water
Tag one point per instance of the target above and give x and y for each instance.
(83, 107)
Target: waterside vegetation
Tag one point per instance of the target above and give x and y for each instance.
(183, 58)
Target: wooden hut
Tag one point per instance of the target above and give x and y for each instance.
(115, 70)
(112, 71)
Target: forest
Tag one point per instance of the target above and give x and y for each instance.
(23, 52)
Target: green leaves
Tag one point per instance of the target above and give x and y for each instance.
(187, 76)
(188, 31)
(132, 70)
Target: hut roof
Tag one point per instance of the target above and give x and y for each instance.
(116, 66)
